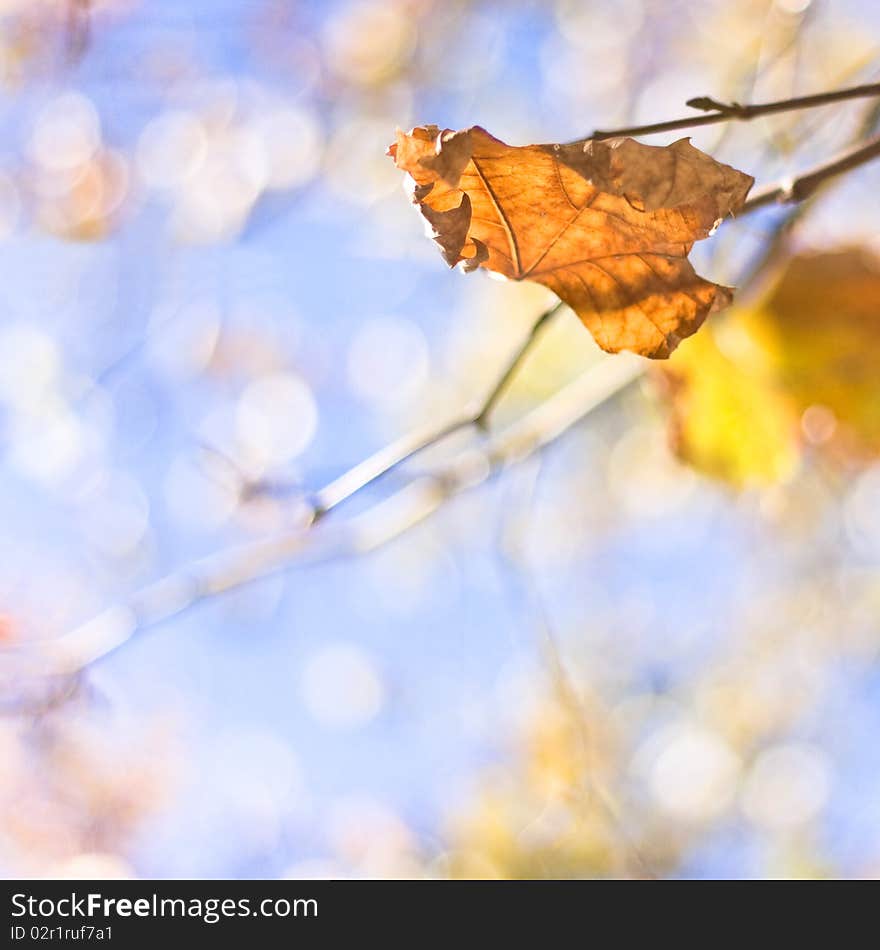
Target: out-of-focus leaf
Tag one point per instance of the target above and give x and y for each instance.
(728, 419)
(820, 329)
(606, 225)
(802, 366)
(542, 818)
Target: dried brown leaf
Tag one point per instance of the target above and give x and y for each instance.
(607, 226)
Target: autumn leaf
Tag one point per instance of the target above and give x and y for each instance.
(606, 225)
(820, 330)
(800, 368)
(728, 418)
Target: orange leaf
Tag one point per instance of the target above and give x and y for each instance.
(607, 226)
(800, 366)
(820, 331)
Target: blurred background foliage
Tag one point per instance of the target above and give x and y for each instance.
(650, 652)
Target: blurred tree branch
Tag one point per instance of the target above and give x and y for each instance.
(778, 239)
(804, 185)
(372, 529)
(395, 454)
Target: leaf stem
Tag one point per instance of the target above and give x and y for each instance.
(733, 111)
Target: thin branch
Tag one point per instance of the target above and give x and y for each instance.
(481, 419)
(802, 187)
(357, 535)
(382, 462)
(409, 445)
(752, 280)
(733, 111)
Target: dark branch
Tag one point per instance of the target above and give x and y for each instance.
(733, 111)
(802, 187)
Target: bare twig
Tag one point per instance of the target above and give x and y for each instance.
(374, 528)
(409, 445)
(481, 419)
(776, 244)
(726, 112)
(321, 502)
(800, 188)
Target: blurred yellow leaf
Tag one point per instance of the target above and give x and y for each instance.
(820, 330)
(801, 367)
(728, 420)
(541, 817)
